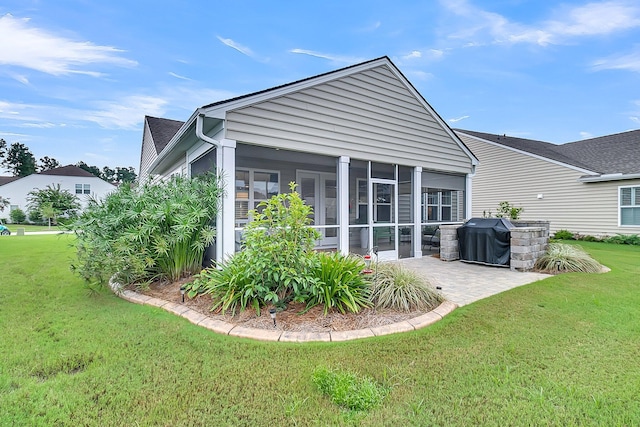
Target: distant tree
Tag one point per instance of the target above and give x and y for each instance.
(3, 203)
(91, 169)
(62, 201)
(108, 174)
(124, 175)
(3, 148)
(34, 216)
(19, 160)
(47, 163)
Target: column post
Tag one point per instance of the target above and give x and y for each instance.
(226, 161)
(343, 203)
(417, 211)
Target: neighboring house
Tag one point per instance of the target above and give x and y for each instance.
(370, 155)
(71, 178)
(590, 187)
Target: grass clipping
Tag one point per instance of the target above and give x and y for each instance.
(564, 258)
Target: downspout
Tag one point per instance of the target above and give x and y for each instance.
(200, 134)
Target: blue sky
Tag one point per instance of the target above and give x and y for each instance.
(78, 77)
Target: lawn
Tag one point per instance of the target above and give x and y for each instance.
(562, 351)
(30, 227)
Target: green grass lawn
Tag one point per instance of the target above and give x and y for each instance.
(29, 227)
(563, 351)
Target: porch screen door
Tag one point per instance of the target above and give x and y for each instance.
(384, 229)
(319, 191)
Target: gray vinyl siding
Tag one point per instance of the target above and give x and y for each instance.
(369, 115)
(506, 175)
(148, 153)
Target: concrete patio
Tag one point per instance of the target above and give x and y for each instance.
(464, 283)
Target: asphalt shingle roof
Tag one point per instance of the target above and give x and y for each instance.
(69, 170)
(618, 153)
(7, 179)
(162, 130)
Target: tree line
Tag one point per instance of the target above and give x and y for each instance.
(19, 161)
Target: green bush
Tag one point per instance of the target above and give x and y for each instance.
(562, 258)
(154, 231)
(340, 283)
(17, 216)
(622, 239)
(35, 216)
(394, 286)
(563, 235)
(349, 390)
(507, 210)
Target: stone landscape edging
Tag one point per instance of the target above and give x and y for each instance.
(226, 328)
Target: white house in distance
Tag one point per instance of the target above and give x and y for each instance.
(75, 180)
(589, 187)
(368, 152)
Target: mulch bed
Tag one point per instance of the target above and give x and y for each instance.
(291, 319)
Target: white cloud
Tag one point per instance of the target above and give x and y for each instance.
(331, 57)
(418, 75)
(237, 46)
(457, 119)
(178, 76)
(586, 135)
(126, 112)
(481, 27)
(413, 54)
(630, 62)
(24, 45)
(635, 119)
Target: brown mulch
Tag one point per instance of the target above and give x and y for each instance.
(290, 319)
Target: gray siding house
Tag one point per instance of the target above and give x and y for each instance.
(590, 187)
(371, 156)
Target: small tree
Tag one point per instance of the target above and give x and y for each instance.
(507, 210)
(48, 212)
(62, 201)
(18, 216)
(3, 203)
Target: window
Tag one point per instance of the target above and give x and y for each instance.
(83, 188)
(441, 205)
(253, 187)
(629, 205)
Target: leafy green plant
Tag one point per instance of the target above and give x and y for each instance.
(562, 258)
(340, 283)
(348, 390)
(55, 200)
(17, 216)
(622, 239)
(507, 210)
(397, 287)
(159, 230)
(563, 235)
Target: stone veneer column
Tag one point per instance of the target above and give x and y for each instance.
(527, 245)
(449, 249)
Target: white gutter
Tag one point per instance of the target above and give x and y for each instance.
(609, 177)
(200, 134)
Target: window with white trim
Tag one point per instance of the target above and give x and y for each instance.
(83, 188)
(440, 205)
(629, 206)
(252, 187)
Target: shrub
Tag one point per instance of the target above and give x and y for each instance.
(507, 210)
(563, 235)
(339, 283)
(622, 239)
(394, 286)
(349, 390)
(158, 230)
(35, 216)
(561, 258)
(17, 216)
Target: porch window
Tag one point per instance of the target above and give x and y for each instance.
(252, 187)
(629, 206)
(441, 206)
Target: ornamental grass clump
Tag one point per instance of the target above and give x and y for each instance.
(155, 231)
(564, 258)
(399, 288)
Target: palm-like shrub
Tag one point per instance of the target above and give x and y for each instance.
(159, 230)
(561, 258)
(399, 288)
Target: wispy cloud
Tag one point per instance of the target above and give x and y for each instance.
(237, 46)
(478, 26)
(340, 59)
(457, 119)
(178, 76)
(25, 45)
(586, 135)
(630, 62)
(635, 119)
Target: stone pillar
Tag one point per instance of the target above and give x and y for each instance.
(449, 249)
(527, 245)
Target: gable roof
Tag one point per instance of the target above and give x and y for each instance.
(7, 179)
(617, 154)
(162, 130)
(69, 170)
(217, 111)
